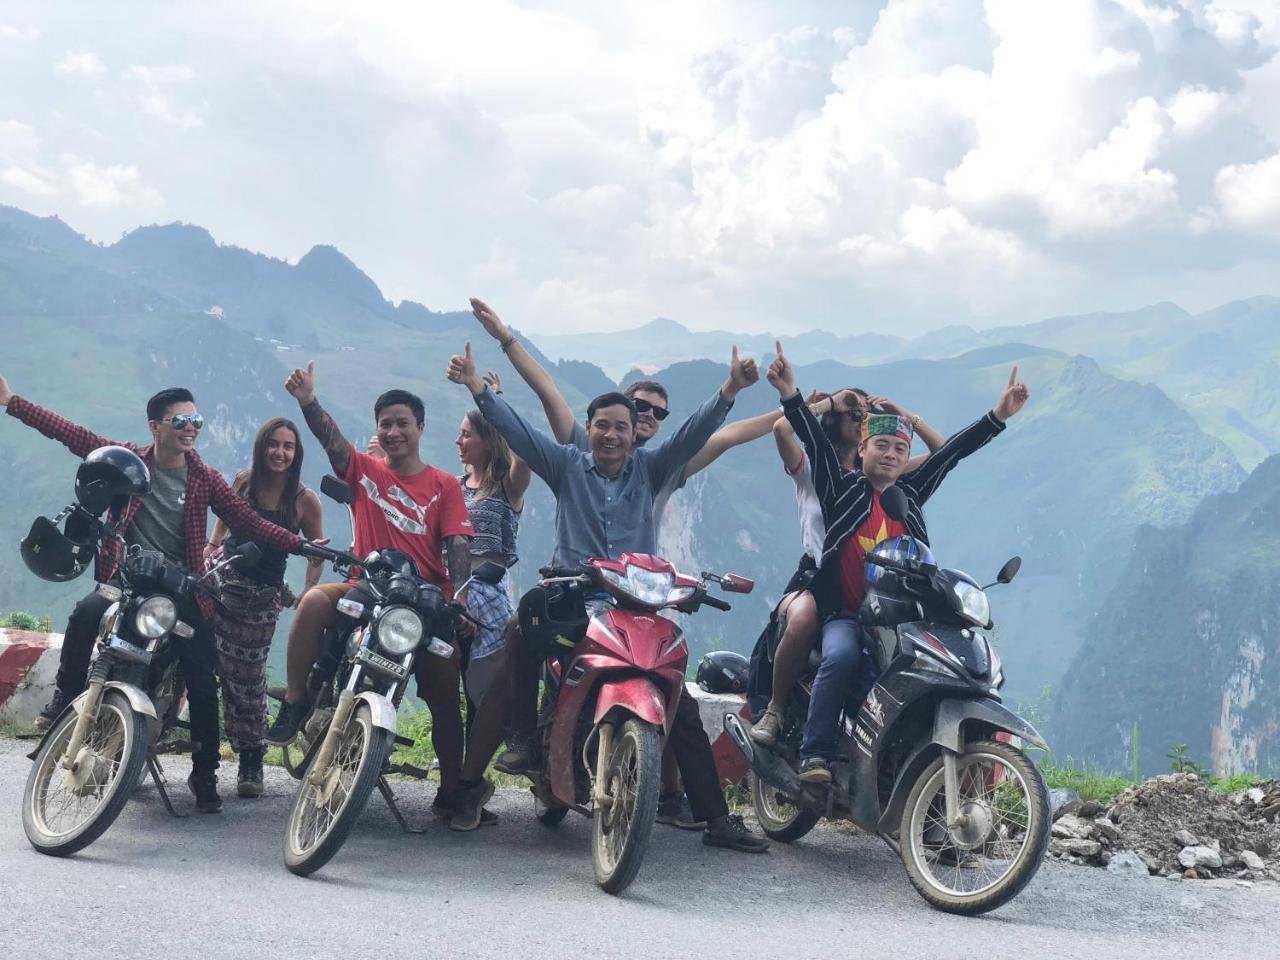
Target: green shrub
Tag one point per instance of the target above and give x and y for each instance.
(1087, 780)
(20, 621)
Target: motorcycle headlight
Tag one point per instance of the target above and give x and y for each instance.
(155, 616)
(973, 603)
(650, 588)
(399, 630)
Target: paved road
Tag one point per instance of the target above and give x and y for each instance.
(215, 886)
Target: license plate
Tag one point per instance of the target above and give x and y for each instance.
(379, 662)
(128, 650)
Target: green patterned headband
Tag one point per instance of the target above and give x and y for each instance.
(886, 425)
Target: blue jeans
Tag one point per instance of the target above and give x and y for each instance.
(842, 655)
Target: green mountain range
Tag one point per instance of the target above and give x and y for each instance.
(1100, 454)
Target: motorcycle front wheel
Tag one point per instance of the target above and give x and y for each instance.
(324, 814)
(780, 819)
(620, 832)
(66, 810)
(986, 861)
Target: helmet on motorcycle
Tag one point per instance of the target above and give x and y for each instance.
(553, 618)
(897, 548)
(723, 671)
(108, 477)
(61, 555)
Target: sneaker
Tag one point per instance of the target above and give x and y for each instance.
(767, 731)
(52, 710)
(287, 722)
(204, 784)
(445, 805)
(730, 832)
(249, 779)
(521, 756)
(471, 798)
(815, 770)
(674, 810)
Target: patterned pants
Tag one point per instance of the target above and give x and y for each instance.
(243, 625)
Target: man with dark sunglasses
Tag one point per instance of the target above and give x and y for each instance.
(171, 520)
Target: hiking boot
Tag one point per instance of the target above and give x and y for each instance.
(288, 720)
(471, 798)
(52, 710)
(445, 805)
(767, 731)
(674, 810)
(815, 770)
(730, 832)
(521, 756)
(204, 784)
(249, 779)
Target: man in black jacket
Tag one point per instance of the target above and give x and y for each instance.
(856, 523)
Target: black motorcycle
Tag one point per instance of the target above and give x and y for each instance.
(101, 746)
(357, 686)
(925, 760)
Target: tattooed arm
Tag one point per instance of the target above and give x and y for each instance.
(458, 555)
(302, 384)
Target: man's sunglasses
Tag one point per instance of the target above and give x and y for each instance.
(180, 421)
(644, 406)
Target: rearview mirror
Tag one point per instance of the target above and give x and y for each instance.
(1009, 570)
(489, 572)
(732, 583)
(894, 502)
(335, 489)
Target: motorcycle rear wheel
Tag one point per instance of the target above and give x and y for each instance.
(779, 819)
(323, 816)
(620, 834)
(1006, 798)
(63, 812)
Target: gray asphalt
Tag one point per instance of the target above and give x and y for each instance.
(215, 886)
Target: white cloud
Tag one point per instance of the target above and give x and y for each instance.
(80, 63)
(10, 32)
(1250, 194)
(28, 181)
(117, 185)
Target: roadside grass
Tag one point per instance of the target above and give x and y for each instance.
(1092, 783)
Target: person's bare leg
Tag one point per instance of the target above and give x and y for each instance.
(792, 656)
(316, 613)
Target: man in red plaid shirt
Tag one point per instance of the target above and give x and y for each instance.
(172, 520)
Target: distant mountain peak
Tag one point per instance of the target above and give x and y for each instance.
(662, 326)
(329, 267)
(187, 236)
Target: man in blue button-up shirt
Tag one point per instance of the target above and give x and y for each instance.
(604, 508)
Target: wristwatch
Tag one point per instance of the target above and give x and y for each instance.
(916, 421)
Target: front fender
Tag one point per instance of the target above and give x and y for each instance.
(382, 711)
(637, 695)
(953, 714)
(139, 702)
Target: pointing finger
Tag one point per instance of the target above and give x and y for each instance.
(468, 350)
(1013, 376)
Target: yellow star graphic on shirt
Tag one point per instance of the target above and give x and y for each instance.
(870, 543)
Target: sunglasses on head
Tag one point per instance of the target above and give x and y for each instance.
(180, 421)
(644, 406)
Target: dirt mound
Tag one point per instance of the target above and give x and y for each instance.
(1178, 823)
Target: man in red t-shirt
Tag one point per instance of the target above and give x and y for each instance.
(402, 503)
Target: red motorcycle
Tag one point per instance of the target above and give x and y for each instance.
(610, 700)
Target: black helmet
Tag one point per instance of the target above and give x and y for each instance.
(553, 618)
(723, 671)
(108, 477)
(52, 554)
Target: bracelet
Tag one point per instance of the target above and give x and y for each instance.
(506, 343)
(916, 421)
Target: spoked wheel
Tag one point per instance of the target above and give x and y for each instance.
(324, 814)
(779, 818)
(66, 810)
(985, 861)
(620, 833)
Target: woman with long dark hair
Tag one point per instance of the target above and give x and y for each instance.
(250, 600)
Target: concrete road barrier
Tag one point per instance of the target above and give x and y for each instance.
(712, 707)
(28, 669)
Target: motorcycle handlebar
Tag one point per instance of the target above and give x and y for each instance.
(551, 573)
(333, 556)
(716, 603)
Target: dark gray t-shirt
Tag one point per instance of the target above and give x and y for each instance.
(158, 523)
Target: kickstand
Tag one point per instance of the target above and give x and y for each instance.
(384, 788)
(157, 774)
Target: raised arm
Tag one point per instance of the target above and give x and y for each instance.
(517, 483)
(74, 437)
(543, 455)
(531, 371)
(924, 480)
(675, 453)
(730, 436)
(302, 384)
(823, 459)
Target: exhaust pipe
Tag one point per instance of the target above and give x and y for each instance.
(764, 763)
